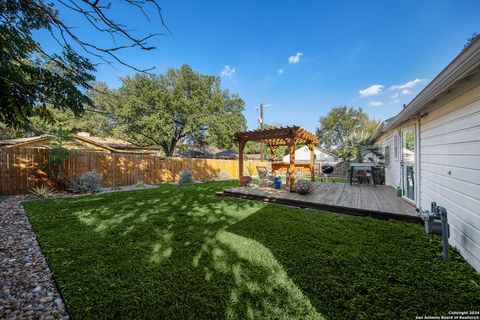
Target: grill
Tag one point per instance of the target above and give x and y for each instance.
(327, 169)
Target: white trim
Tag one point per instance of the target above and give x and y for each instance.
(403, 164)
(417, 163)
(410, 201)
(396, 152)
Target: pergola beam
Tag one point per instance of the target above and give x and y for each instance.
(270, 135)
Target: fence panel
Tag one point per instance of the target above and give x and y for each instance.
(20, 169)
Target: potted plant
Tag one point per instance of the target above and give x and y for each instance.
(398, 192)
(303, 187)
(245, 181)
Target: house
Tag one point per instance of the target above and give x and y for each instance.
(193, 153)
(80, 142)
(253, 156)
(207, 152)
(432, 149)
(303, 155)
(226, 154)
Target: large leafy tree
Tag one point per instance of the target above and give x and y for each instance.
(178, 106)
(336, 128)
(32, 78)
(254, 147)
(97, 119)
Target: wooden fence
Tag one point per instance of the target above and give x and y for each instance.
(19, 168)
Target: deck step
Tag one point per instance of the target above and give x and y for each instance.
(323, 207)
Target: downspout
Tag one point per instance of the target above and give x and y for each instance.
(400, 158)
(418, 163)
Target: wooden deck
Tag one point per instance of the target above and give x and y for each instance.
(363, 200)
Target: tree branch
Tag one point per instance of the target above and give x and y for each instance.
(98, 17)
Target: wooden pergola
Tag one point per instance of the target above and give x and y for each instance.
(274, 138)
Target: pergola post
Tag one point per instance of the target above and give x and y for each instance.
(312, 161)
(274, 138)
(241, 147)
(273, 151)
(291, 167)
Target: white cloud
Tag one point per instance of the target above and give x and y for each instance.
(228, 71)
(406, 91)
(370, 91)
(409, 84)
(375, 103)
(394, 101)
(280, 71)
(395, 95)
(295, 58)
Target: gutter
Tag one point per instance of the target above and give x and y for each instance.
(461, 66)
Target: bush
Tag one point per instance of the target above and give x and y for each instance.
(303, 187)
(43, 192)
(88, 182)
(186, 176)
(140, 184)
(223, 175)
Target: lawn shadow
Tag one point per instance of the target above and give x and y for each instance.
(166, 251)
(363, 268)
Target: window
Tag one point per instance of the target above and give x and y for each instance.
(396, 149)
(386, 156)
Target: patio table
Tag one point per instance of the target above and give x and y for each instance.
(357, 165)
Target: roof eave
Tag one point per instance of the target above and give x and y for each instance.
(461, 66)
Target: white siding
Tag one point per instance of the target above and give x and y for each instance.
(303, 155)
(393, 170)
(450, 169)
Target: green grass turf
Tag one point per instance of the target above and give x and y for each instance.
(180, 252)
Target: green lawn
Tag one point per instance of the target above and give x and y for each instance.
(180, 252)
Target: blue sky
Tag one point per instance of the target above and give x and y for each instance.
(303, 57)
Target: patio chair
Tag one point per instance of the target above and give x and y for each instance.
(266, 177)
(364, 177)
(263, 173)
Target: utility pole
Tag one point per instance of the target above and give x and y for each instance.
(260, 125)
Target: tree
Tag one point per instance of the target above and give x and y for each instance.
(96, 119)
(179, 106)
(341, 122)
(9, 132)
(253, 147)
(356, 145)
(57, 157)
(32, 78)
(471, 40)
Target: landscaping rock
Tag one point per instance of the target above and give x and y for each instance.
(27, 287)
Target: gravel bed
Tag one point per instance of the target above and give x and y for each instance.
(28, 290)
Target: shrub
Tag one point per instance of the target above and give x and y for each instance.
(140, 184)
(223, 175)
(88, 182)
(43, 192)
(303, 187)
(186, 176)
(245, 181)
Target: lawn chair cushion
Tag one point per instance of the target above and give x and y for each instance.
(264, 174)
